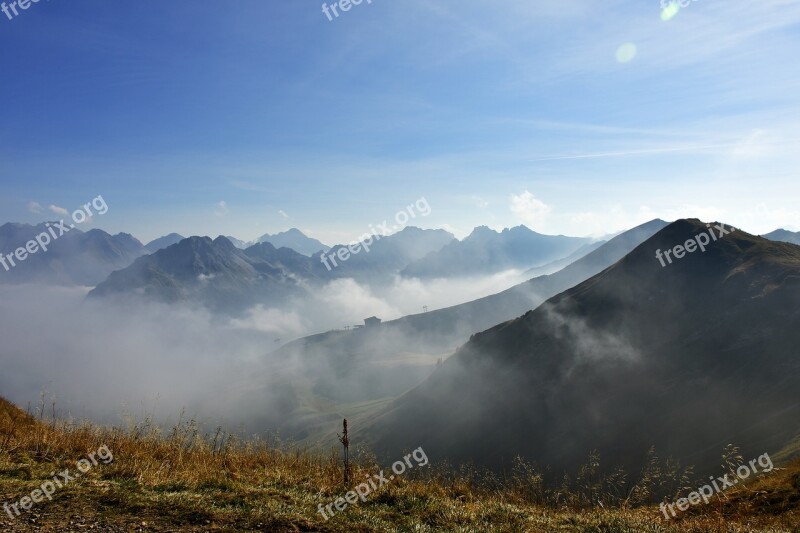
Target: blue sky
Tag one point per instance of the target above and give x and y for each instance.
(253, 116)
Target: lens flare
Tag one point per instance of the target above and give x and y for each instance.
(626, 53)
(670, 11)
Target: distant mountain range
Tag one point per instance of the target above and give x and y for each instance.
(782, 235)
(222, 277)
(486, 251)
(213, 273)
(688, 358)
(388, 255)
(75, 258)
(296, 240)
(293, 238)
(424, 253)
(163, 242)
(240, 244)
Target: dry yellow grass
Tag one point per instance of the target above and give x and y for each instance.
(184, 481)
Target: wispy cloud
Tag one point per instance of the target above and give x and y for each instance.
(529, 209)
(634, 152)
(35, 208)
(58, 210)
(221, 209)
(251, 187)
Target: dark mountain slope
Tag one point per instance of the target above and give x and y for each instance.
(688, 358)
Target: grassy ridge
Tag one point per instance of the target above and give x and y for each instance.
(184, 481)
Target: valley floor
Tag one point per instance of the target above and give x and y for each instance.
(182, 482)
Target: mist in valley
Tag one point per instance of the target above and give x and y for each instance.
(112, 361)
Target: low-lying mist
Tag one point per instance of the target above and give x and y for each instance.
(102, 361)
(345, 302)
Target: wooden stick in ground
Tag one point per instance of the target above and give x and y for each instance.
(345, 440)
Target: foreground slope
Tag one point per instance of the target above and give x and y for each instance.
(184, 482)
(686, 357)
